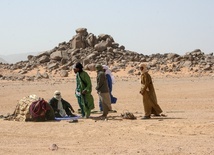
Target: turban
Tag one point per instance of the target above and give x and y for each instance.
(144, 67)
(78, 65)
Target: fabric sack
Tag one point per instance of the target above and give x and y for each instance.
(40, 110)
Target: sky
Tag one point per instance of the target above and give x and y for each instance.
(143, 26)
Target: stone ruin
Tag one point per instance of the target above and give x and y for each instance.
(89, 49)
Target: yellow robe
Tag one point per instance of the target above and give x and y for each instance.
(149, 97)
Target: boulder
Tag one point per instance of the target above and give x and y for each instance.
(64, 73)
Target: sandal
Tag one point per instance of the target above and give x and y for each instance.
(146, 117)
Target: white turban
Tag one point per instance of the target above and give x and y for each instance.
(107, 71)
(57, 95)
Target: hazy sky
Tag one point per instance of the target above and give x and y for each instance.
(143, 26)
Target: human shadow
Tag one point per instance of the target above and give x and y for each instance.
(112, 118)
(164, 118)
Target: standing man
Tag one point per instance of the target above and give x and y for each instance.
(103, 91)
(83, 90)
(148, 92)
(110, 80)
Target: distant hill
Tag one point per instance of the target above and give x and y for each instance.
(2, 60)
(13, 58)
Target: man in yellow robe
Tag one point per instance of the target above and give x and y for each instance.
(148, 92)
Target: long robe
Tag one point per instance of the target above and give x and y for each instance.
(113, 99)
(149, 97)
(86, 101)
(103, 91)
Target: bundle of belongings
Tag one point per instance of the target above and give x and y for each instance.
(32, 108)
(128, 115)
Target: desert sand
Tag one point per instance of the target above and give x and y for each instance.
(188, 128)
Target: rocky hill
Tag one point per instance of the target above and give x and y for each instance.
(2, 60)
(14, 58)
(90, 49)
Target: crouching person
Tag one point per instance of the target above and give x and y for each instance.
(61, 107)
(40, 111)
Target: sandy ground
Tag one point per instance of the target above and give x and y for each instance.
(188, 128)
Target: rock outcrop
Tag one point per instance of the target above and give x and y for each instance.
(88, 49)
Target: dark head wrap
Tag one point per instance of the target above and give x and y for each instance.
(79, 66)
